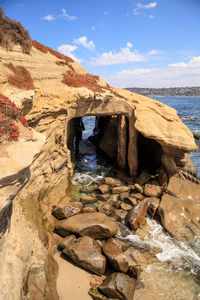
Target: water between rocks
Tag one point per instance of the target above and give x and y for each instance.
(174, 273)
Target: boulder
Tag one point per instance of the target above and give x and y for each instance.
(86, 252)
(68, 210)
(123, 245)
(112, 181)
(95, 294)
(153, 205)
(118, 285)
(115, 256)
(137, 215)
(66, 241)
(88, 199)
(120, 189)
(152, 190)
(104, 189)
(180, 209)
(97, 225)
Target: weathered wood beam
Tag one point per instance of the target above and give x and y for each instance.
(132, 147)
(121, 141)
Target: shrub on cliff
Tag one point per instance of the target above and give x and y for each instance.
(9, 114)
(21, 77)
(13, 33)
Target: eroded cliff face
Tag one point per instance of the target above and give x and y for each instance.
(36, 171)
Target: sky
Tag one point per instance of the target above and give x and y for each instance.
(130, 43)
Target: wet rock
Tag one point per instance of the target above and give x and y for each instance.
(138, 188)
(180, 209)
(123, 231)
(88, 209)
(88, 189)
(106, 208)
(126, 206)
(120, 189)
(86, 252)
(143, 178)
(152, 190)
(118, 285)
(119, 215)
(115, 256)
(104, 189)
(95, 294)
(138, 196)
(134, 271)
(103, 197)
(131, 200)
(96, 224)
(88, 199)
(112, 181)
(66, 241)
(122, 196)
(68, 210)
(153, 205)
(137, 215)
(123, 245)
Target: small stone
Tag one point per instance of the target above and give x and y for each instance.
(103, 197)
(153, 205)
(124, 195)
(132, 187)
(67, 210)
(104, 189)
(113, 199)
(138, 196)
(95, 294)
(106, 208)
(88, 209)
(120, 189)
(137, 215)
(88, 199)
(112, 181)
(115, 256)
(119, 215)
(152, 190)
(119, 286)
(86, 252)
(131, 200)
(88, 189)
(138, 188)
(125, 206)
(96, 280)
(143, 178)
(66, 241)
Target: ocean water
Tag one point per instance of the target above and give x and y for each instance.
(188, 108)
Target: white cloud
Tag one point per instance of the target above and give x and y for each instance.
(68, 51)
(155, 52)
(49, 18)
(125, 55)
(83, 42)
(67, 16)
(140, 7)
(129, 45)
(178, 74)
(62, 15)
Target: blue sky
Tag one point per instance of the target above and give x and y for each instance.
(129, 43)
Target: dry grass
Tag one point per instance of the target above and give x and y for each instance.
(13, 33)
(21, 77)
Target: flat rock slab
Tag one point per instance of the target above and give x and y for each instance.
(180, 209)
(96, 224)
(118, 285)
(86, 252)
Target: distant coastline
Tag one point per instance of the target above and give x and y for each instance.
(167, 92)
